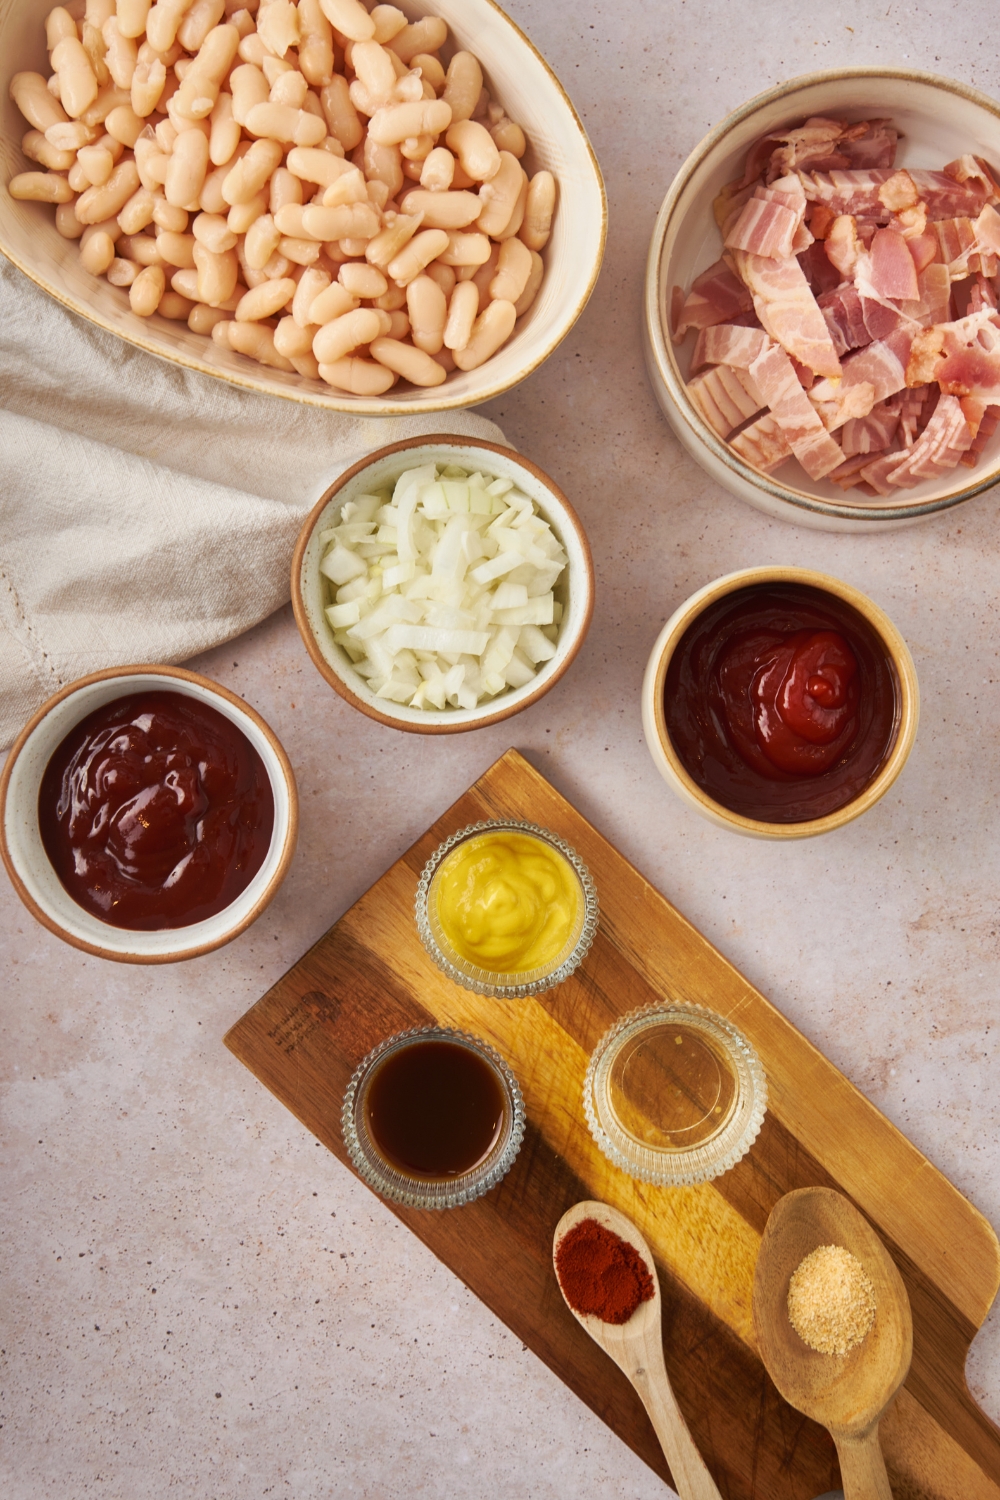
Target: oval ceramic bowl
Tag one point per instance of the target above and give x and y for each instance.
(27, 863)
(519, 78)
(672, 768)
(575, 589)
(939, 120)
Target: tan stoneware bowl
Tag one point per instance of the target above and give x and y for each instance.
(27, 863)
(517, 76)
(575, 589)
(939, 120)
(676, 774)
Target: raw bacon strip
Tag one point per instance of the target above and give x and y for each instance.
(974, 169)
(763, 445)
(765, 226)
(873, 433)
(779, 387)
(725, 397)
(841, 244)
(715, 296)
(850, 473)
(871, 143)
(938, 449)
(988, 424)
(844, 315)
(957, 246)
(857, 192)
(982, 295)
(893, 273)
(788, 310)
(818, 269)
(728, 344)
(882, 365)
(915, 412)
(932, 306)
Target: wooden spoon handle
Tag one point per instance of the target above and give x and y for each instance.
(862, 1467)
(691, 1477)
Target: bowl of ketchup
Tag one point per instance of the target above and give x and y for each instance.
(147, 814)
(780, 702)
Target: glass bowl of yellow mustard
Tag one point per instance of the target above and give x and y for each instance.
(506, 908)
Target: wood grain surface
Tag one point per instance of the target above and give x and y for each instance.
(369, 977)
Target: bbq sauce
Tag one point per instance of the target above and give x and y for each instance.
(782, 702)
(155, 811)
(435, 1109)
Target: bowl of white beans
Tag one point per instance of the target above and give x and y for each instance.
(442, 584)
(371, 208)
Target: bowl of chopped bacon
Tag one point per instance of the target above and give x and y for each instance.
(821, 323)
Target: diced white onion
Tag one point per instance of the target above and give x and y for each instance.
(443, 590)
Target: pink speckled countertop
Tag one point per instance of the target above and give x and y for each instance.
(199, 1301)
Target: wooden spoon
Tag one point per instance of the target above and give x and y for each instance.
(637, 1349)
(847, 1393)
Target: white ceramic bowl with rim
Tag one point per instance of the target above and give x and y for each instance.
(37, 883)
(672, 768)
(575, 589)
(939, 120)
(518, 77)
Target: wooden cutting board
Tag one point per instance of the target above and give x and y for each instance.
(369, 977)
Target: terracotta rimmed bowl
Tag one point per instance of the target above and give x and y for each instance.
(518, 77)
(939, 120)
(575, 589)
(27, 863)
(676, 774)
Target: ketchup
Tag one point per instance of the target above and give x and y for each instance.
(782, 702)
(155, 811)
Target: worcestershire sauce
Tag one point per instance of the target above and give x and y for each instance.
(434, 1109)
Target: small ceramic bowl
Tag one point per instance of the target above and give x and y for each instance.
(939, 120)
(28, 865)
(514, 984)
(676, 774)
(518, 77)
(574, 590)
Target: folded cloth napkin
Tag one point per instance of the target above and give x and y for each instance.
(146, 512)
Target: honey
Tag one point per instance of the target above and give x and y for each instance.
(435, 1109)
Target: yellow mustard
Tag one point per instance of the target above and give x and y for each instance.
(507, 901)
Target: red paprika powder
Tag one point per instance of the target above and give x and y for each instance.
(600, 1273)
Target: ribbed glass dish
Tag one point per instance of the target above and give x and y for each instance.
(409, 1189)
(674, 1094)
(518, 983)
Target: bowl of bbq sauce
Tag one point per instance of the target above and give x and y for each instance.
(147, 814)
(780, 702)
(433, 1118)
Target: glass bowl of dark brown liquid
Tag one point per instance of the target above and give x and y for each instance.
(780, 702)
(433, 1118)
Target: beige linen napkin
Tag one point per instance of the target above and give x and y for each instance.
(146, 512)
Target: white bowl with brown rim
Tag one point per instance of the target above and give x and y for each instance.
(939, 119)
(519, 79)
(23, 852)
(310, 590)
(672, 767)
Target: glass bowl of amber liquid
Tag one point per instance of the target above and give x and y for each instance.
(674, 1095)
(536, 908)
(433, 1118)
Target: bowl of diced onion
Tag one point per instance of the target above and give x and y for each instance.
(441, 585)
